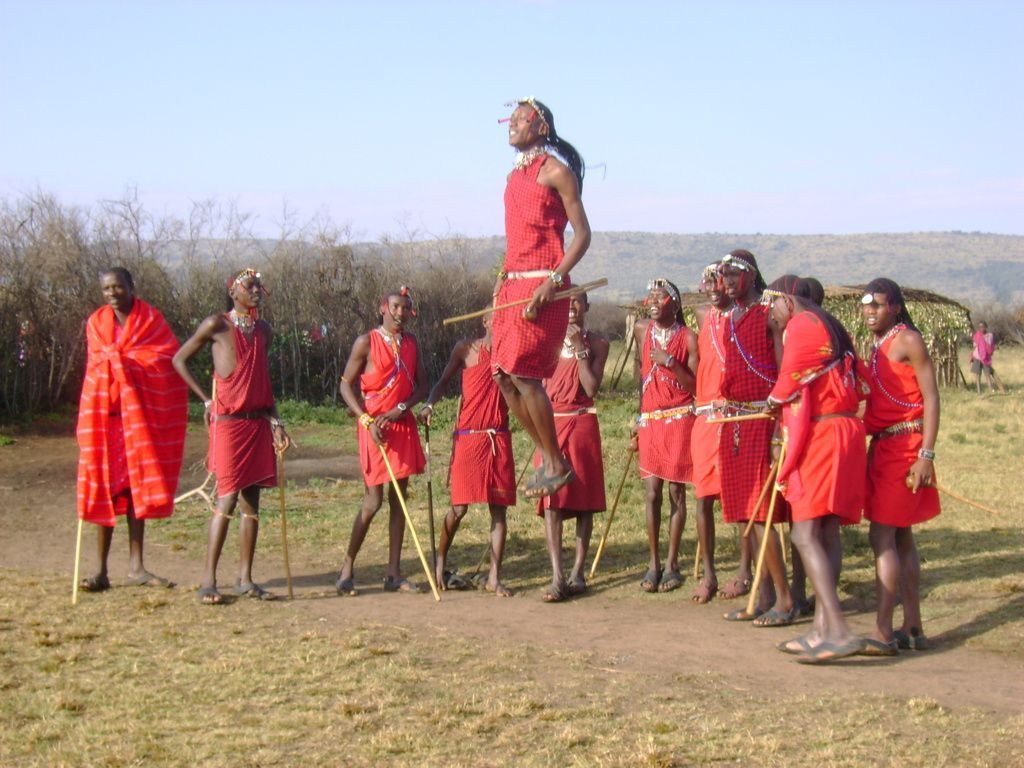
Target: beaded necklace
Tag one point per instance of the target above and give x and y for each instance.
(875, 352)
(751, 365)
(715, 313)
(525, 159)
(243, 322)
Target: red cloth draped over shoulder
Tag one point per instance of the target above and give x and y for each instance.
(129, 372)
(664, 442)
(242, 443)
(704, 441)
(535, 222)
(895, 398)
(743, 448)
(390, 381)
(823, 471)
(579, 440)
(482, 468)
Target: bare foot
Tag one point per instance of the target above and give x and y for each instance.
(705, 591)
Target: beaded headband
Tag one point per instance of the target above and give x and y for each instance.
(737, 261)
(663, 284)
(529, 101)
(709, 278)
(867, 298)
(246, 273)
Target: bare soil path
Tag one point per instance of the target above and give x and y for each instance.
(643, 637)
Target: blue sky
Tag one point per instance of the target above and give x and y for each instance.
(742, 117)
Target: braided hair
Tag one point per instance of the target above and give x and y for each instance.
(565, 150)
(894, 294)
(742, 254)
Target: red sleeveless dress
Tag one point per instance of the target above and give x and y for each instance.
(535, 221)
(579, 439)
(242, 445)
(895, 399)
(666, 418)
(482, 468)
(707, 479)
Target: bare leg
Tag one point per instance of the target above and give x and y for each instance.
(783, 601)
(530, 404)
(449, 526)
(104, 537)
(584, 530)
(248, 531)
(553, 536)
(910, 579)
(677, 522)
(829, 622)
(373, 497)
(798, 582)
(887, 577)
(706, 538)
(499, 530)
(833, 543)
(652, 504)
(136, 538)
(396, 530)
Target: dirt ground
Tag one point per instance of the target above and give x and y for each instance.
(642, 637)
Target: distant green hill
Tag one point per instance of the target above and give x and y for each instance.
(972, 267)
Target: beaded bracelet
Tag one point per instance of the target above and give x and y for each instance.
(366, 420)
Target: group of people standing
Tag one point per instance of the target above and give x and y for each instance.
(766, 393)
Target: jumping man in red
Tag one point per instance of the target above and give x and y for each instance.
(668, 358)
(482, 469)
(572, 389)
(131, 424)
(902, 418)
(387, 365)
(822, 475)
(753, 352)
(244, 425)
(541, 197)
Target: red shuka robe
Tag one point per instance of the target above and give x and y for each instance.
(535, 222)
(665, 442)
(131, 417)
(895, 398)
(707, 480)
(391, 382)
(823, 470)
(743, 449)
(579, 440)
(482, 469)
(242, 443)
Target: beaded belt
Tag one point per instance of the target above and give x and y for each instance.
(739, 407)
(489, 432)
(711, 408)
(669, 414)
(529, 274)
(900, 428)
(578, 412)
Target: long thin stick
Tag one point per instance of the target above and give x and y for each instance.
(752, 600)
(696, 560)
(576, 290)
(526, 466)
(483, 557)
(430, 498)
(958, 497)
(78, 560)
(284, 524)
(772, 472)
(741, 417)
(625, 361)
(408, 522)
(611, 516)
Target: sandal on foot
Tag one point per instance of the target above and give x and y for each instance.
(147, 579)
(734, 588)
(345, 587)
(740, 614)
(210, 596)
(400, 585)
(703, 593)
(672, 579)
(577, 586)
(874, 647)
(255, 591)
(651, 580)
(554, 594)
(452, 580)
(94, 584)
(545, 485)
(776, 618)
(798, 646)
(826, 652)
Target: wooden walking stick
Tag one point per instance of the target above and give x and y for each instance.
(625, 361)
(772, 471)
(740, 417)
(284, 524)
(430, 497)
(575, 290)
(611, 516)
(78, 560)
(408, 522)
(752, 600)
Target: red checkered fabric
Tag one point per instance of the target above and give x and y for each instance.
(535, 221)
(665, 443)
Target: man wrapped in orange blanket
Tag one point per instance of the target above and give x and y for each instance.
(131, 424)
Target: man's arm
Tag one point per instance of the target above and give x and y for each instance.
(911, 347)
(591, 368)
(456, 361)
(204, 334)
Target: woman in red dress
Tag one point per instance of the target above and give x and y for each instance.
(541, 197)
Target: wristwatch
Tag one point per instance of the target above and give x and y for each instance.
(557, 279)
(402, 407)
